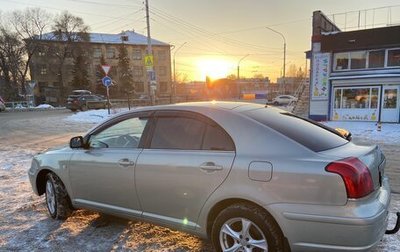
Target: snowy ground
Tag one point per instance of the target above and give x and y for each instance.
(25, 225)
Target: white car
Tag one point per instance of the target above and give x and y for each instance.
(283, 100)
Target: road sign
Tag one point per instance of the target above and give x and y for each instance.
(106, 81)
(148, 61)
(106, 69)
(152, 75)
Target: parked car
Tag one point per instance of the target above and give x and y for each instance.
(84, 100)
(283, 100)
(250, 177)
(2, 104)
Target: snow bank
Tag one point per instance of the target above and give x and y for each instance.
(389, 133)
(44, 106)
(93, 116)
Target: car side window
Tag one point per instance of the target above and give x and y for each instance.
(187, 133)
(178, 133)
(124, 134)
(216, 138)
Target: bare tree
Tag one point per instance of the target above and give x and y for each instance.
(71, 33)
(11, 60)
(30, 26)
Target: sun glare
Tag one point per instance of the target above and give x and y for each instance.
(214, 68)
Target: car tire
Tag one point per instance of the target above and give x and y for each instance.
(276, 103)
(84, 107)
(227, 232)
(73, 110)
(57, 200)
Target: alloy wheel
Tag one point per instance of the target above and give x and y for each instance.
(241, 234)
(50, 197)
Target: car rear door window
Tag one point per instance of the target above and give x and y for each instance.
(216, 138)
(181, 133)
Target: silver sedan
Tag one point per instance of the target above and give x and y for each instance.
(249, 177)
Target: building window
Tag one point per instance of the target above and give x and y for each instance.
(356, 98)
(161, 55)
(137, 54)
(97, 53)
(376, 59)
(163, 86)
(111, 53)
(356, 103)
(341, 61)
(393, 58)
(137, 71)
(41, 52)
(358, 60)
(43, 70)
(162, 71)
(139, 87)
(390, 98)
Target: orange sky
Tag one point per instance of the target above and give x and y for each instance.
(218, 33)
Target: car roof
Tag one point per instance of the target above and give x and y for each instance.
(233, 107)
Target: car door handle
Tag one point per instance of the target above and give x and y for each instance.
(125, 162)
(210, 166)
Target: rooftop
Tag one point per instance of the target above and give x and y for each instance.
(126, 37)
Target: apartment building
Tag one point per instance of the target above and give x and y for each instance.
(45, 66)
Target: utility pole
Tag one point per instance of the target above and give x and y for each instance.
(152, 84)
(238, 76)
(175, 66)
(284, 53)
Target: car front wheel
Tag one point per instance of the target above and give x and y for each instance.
(244, 227)
(57, 199)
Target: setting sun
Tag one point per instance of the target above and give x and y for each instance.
(215, 68)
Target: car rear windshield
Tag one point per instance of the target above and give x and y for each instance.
(315, 136)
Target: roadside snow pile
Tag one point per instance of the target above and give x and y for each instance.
(44, 106)
(390, 133)
(93, 116)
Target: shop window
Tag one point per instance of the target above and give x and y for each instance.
(376, 59)
(338, 99)
(394, 57)
(356, 98)
(358, 60)
(341, 61)
(390, 98)
(374, 97)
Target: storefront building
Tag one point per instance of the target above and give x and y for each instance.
(355, 75)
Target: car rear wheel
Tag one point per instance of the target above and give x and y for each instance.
(57, 199)
(246, 228)
(276, 103)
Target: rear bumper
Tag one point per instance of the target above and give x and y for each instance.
(357, 226)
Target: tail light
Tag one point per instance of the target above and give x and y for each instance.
(355, 174)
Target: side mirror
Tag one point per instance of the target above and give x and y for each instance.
(76, 142)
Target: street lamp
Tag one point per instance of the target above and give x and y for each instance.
(284, 52)
(238, 74)
(174, 60)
